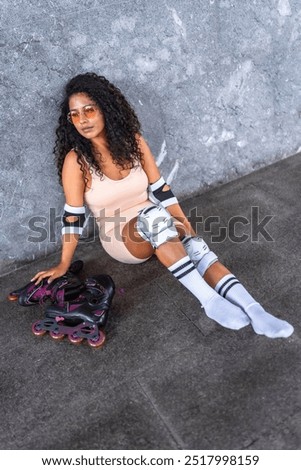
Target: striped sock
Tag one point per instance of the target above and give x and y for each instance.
(216, 308)
(262, 322)
(225, 284)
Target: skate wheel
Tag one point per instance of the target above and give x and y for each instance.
(75, 339)
(12, 297)
(56, 336)
(97, 343)
(37, 331)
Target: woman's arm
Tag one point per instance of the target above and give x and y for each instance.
(152, 171)
(74, 186)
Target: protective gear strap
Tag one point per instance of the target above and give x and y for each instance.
(155, 224)
(199, 253)
(158, 196)
(77, 226)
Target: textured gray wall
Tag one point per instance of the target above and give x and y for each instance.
(216, 84)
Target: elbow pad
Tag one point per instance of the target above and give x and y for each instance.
(158, 196)
(76, 213)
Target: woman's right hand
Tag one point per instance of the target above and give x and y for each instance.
(51, 273)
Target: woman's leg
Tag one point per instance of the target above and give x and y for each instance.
(228, 286)
(173, 256)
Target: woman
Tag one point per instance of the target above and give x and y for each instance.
(104, 161)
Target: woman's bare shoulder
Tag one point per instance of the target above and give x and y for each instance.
(71, 162)
(71, 165)
(71, 158)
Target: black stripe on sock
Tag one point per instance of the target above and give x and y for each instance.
(181, 267)
(228, 288)
(186, 272)
(225, 283)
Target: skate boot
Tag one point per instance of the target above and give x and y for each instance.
(62, 289)
(82, 318)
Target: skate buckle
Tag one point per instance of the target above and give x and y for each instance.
(57, 319)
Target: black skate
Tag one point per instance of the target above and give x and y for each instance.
(82, 318)
(62, 289)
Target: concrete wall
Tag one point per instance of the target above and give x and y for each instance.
(216, 84)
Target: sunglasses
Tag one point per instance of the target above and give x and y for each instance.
(89, 112)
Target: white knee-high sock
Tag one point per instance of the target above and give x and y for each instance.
(262, 322)
(216, 308)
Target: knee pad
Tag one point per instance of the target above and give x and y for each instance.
(155, 224)
(199, 253)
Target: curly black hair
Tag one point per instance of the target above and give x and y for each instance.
(121, 126)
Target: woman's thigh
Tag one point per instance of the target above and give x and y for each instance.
(136, 245)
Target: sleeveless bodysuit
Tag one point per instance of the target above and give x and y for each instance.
(114, 203)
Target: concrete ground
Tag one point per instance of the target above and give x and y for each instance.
(168, 377)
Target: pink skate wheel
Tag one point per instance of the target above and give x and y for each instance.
(12, 297)
(36, 330)
(99, 342)
(74, 339)
(56, 336)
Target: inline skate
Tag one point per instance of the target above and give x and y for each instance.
(82, 318)
(62, 289)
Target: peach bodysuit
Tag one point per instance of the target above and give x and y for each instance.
(114, 203)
